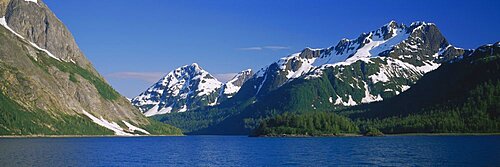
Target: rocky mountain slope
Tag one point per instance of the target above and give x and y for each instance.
(49, 87)
(186, 88)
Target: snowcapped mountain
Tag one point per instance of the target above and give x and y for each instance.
(376, 65)
(181, 89)
(187, 88)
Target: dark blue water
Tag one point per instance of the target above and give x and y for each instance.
(246, 151)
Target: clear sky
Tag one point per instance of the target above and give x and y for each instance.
(133, 43)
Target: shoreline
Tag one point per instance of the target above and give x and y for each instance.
(306, 136)
(384, 135)
(444, 134)
(263, 136)
(80, 136)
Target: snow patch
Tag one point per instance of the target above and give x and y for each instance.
(428, 67)
(261, 84)
(109, 125)
(404, 88)
(133, 128)
(34, 1)
(350, 102)
(230, 88)
(44, 50)
(156, 111)
(339, 101)
(376, 45)
(369, 97)
(3, 22)
(379, 77)
(183, 109)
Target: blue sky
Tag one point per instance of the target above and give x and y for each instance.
(133, 43)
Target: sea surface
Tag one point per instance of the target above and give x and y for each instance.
(248, 151)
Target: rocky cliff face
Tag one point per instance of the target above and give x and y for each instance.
(38, 24)
(44, 73)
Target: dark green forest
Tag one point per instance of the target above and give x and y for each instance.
(307, 124)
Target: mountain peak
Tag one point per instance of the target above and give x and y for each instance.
(195, 65)
(190, 67)
(392, 24)
(247, 70)
(182, 89)
(419, 23)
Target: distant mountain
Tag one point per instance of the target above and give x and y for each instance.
(186, 88)
(375, 66)
(48, 87)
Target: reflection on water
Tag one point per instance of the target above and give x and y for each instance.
(241, 150)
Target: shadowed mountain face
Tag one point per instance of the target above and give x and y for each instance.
(49, 87)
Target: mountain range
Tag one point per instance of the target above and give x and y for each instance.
(375, 66)
(394, 55)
